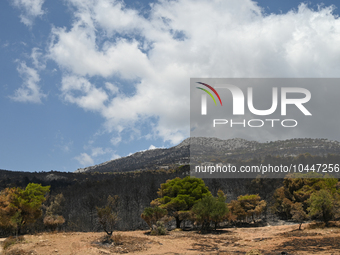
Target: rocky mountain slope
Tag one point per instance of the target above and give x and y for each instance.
(232, 149)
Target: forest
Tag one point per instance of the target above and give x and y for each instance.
(76, 198)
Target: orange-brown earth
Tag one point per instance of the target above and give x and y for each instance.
(268, 240)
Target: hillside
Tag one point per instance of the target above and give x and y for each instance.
(232, 149)
(85, 191)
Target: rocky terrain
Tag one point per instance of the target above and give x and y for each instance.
(236, 148)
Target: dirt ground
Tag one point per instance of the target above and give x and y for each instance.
(268, 240)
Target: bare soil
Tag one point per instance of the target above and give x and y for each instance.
(268, 240)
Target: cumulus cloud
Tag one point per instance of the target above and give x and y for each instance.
(157, 54)
(91, 98)
(30, 90)
(30, 10)
(85, 159)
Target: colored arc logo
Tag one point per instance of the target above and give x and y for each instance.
(218, 96)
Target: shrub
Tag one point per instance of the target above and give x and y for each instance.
(117, 239)
(108, 216)
(53, 221)
(158, 229)
(153, 214)
(298, 214)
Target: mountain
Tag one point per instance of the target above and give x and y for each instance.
(232, 149)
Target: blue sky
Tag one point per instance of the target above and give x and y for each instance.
(85, 81)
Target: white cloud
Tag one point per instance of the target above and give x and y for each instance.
(116, 140)
(122, 57)
(152, 147)
(91, 98)
(30, 9)
(182, 39)
(115, 156)
(30, 90)
(37, 60)
(100, 151)
(112, 88)
(85, 159)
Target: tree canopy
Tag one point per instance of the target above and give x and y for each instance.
(247, 206)
(178, 196)
(313, 197)
(20, 207)
(210, 209)
(153, 214)
(324, 205)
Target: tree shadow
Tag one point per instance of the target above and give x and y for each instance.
(298, 233)
(214, 232)
(311, 245)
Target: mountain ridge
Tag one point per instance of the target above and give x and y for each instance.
(235, 148)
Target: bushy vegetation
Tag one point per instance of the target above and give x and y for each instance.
(247, 207)
(298, 199)
(83, 192)
(190, 199)
(53, 221)
(152, 215)
(158, 229)
(298, 214)
(93, 203)
(324, 205)
(308, 198)
(21, 207)
(210, 209)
